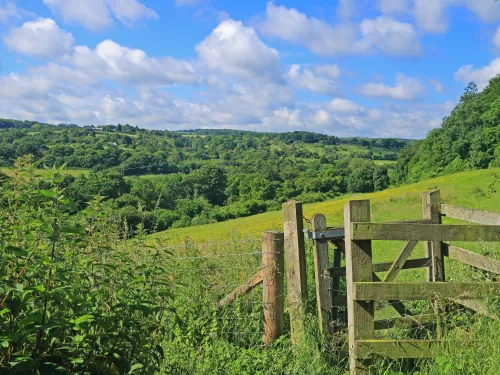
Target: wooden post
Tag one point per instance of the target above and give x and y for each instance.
(273, 284)
(295, 268)
(322, 276)
(433, 249)
(359, 268)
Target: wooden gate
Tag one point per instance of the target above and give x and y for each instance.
(364, 288)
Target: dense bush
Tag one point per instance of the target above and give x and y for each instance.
(72, 300)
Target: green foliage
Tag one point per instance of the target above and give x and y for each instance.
(71, 299)
(468, 139)
(236, 173)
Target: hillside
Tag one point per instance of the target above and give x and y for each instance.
(475, 189)
(172, 179)
(468, 139)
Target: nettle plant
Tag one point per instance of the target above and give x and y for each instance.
(74, 297)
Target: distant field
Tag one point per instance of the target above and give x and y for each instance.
(46, 172)
(384, 162)
(402, 203)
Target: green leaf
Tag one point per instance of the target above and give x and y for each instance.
(134, 367)
(83, 319)
(48, 193)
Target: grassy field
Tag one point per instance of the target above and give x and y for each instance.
(46, 172)
(401, 203)
(474, 189)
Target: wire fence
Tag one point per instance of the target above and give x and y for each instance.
(203, 274)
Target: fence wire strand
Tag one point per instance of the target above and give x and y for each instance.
(206, 273)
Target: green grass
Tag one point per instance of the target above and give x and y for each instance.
(40, 172)
(470, 189)
(400, 203)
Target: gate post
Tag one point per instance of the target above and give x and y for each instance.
(322, 276)
(273, 274)
(433, 249)
(359, 268)
(295, 268)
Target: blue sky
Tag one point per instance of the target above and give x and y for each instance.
(373, 68)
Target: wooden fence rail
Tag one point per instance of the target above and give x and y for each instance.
(364, 287)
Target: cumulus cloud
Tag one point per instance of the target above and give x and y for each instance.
(318, 36)
(480, 76)
(383, 33)
(391, 37)
(406, 88)
(430, 15)
(110, 60)
(339, 105)
(99, 14)
(237, 50)
(40, 38)
(319, 79)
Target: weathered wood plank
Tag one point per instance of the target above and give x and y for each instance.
(405, 321)
(433, 249)
(273, 291)
(397, 348)
(422, 232)
(322, 276)
(471, 215)
(473, 259)
(385, 266)
(295, 268)
(399, 306)
(400, 261)
(241, 290)
(372, 291)
(359, 267)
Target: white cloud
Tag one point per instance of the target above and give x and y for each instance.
(98, 14)
(406, 88)
(487, 11)
(430, 15)
(328, 71)
(394, 6)
(437, 85)
(339, 105)
(110, 60)
(496, 38)
(318, 36)
(40, 38)
(237, 50)
(8, 11)
(383, 33)
(480, 76)
(320, 79)
(390, 36)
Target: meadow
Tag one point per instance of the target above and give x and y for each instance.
(475, 189)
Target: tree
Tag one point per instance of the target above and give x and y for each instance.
(210, 182)
(380, 177)
(360, 180)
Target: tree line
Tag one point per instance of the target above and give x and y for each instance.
(169, 179)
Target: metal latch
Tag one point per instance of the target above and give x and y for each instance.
(330, 233)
